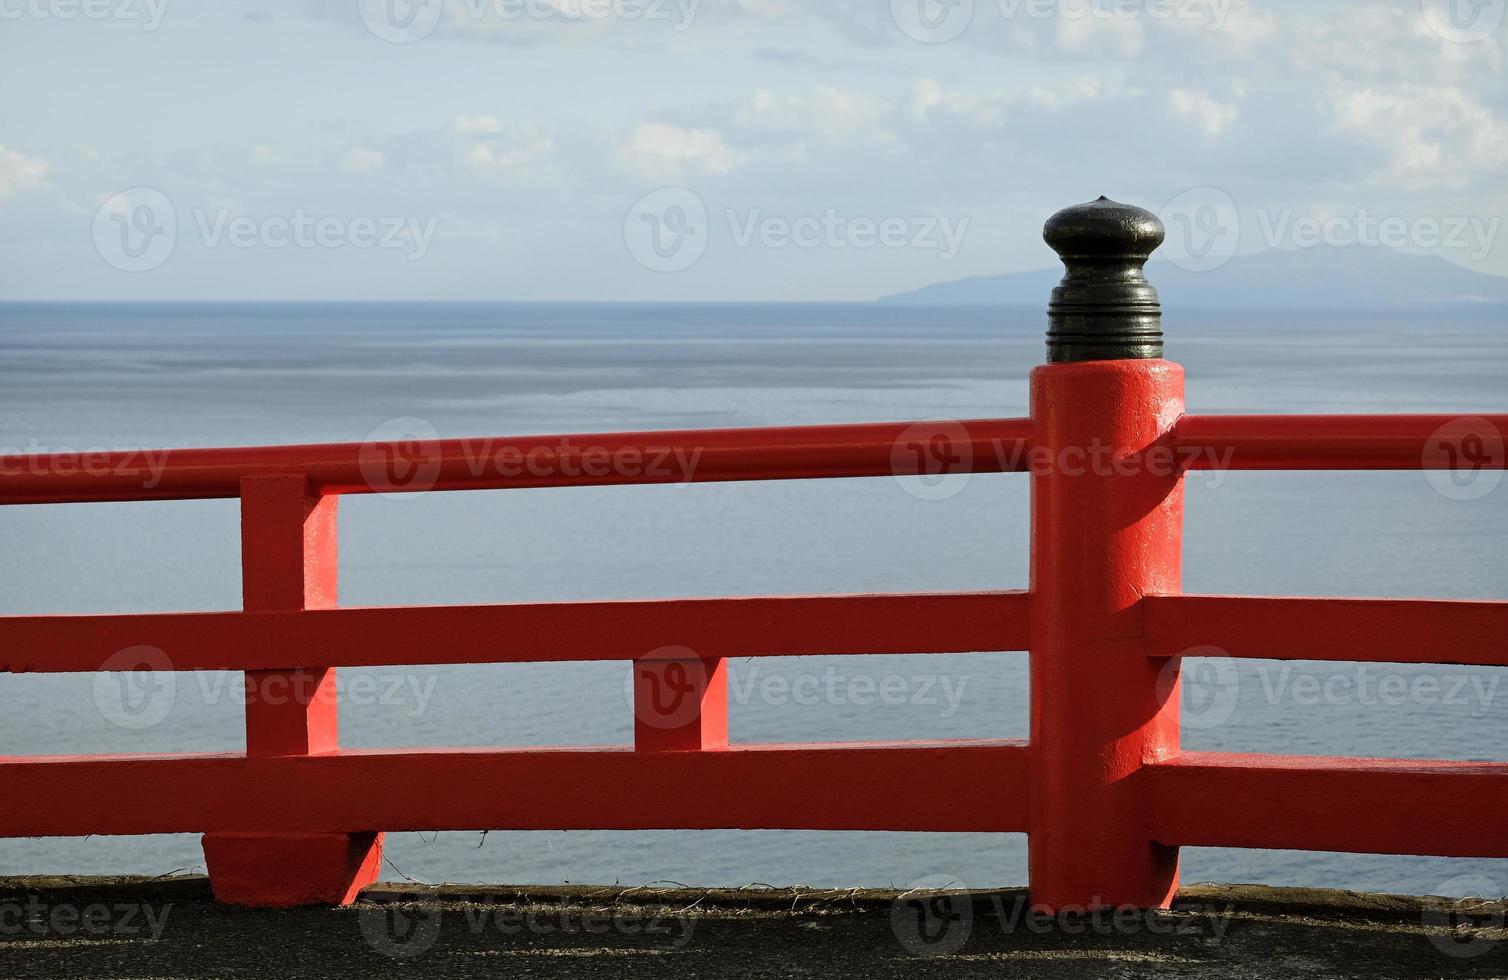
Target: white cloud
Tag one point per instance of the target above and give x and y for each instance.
(1439, 136)
(822, 112)
(499, 156)
(360, 160)
(266, 156)
(1212, 115)
(1083, 31)
(18, 171)
(466, 125)
(661, 149)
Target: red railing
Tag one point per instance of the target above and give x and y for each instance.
(1102, 787)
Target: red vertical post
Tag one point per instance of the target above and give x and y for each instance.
(680, 701)
(288, 563)
(1107, 511)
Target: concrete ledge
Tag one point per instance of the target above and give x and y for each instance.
(133, 927)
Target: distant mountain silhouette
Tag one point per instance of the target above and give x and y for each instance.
(1311, 278)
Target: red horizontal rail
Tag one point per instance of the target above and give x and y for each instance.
(1340, 442)
(1384, 806)
(620, 630)
(696, 456)
(725, 455)
(1420, 631)
(923, 786)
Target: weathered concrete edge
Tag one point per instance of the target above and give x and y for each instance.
(1265, 899)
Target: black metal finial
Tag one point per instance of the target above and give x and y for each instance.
(1104, 309)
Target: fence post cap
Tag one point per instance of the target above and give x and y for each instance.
(1104, 309)
(1103, 229)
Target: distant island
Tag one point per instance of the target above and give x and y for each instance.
(1314, 278)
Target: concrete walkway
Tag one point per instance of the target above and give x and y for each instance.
(118, 928)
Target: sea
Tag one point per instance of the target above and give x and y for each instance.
(121, 376)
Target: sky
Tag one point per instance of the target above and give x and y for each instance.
(721, 149)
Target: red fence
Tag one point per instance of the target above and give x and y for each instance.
(1102, 787)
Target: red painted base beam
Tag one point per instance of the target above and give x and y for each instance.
(287, 870)
(1372, 806)
(931, 786)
